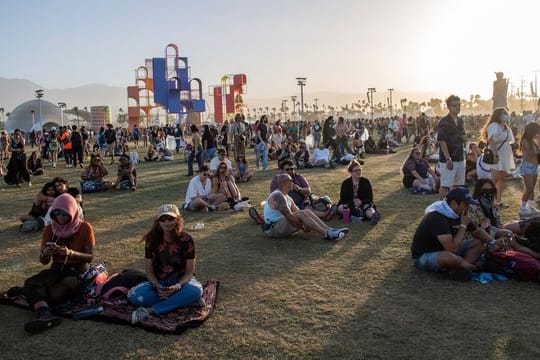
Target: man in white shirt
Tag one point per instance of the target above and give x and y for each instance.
(321, 157)
(221, 157)
(199, 195)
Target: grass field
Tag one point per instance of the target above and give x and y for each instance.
(299, 298)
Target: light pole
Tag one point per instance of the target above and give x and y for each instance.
(39, 95)
(293, 99)
(283, 107)
(301, 81)
(2, 117)
(370, 93)
(62, 106)
(33, 119)
(390, 102)
(316, 108)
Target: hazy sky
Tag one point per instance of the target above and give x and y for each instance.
(339, 45)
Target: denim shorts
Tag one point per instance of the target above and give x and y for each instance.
(430, 261)
(528, 168)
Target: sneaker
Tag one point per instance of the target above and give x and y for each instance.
(139, 315)
(460, 275)
(526, 212)
(255, 216)
(375, 218)
(44, 320)
(534, 210)
(334, 235)
(343, 230)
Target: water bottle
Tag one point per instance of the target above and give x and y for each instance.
(87, 313)
(346, 214)
(198, 226)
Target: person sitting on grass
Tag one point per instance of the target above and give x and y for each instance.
(151, 154)
(356, 195)
(42, 201)
(440, 243)
(35, 165)
(221, 157)
(301, 157)
(69, 243)
(94, 174)
(282, 218)
(169, 255)
(127, 174)
(223, 183)
(321, 157)
(418, 177)
(164, 154)
(242, 174)
(199, 195)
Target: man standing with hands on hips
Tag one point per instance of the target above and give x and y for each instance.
(451, 137)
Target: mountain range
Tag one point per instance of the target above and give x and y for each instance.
(13, 92)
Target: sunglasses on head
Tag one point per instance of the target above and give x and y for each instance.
(166, 218)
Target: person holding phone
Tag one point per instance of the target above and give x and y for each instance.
(67, 243)
(169, 255)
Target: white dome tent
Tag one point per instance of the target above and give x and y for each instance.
(27, 116)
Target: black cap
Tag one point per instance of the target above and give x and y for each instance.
(460, 195)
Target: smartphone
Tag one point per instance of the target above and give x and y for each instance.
(52, 244)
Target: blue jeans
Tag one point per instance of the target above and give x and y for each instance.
(261, 150)
(316, 139)
(178, 143)
(197, 158)
(209, 154)
(145, 295)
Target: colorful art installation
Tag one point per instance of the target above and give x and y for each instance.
(165, 83)
(228, 98)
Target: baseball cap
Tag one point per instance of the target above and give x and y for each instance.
(168, 209)
(460, 195)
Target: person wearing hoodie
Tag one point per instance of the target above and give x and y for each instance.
(440, 243)
(67, 243)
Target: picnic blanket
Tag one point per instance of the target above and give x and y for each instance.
(174, 322)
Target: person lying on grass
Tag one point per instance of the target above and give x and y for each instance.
(69, 242)
(169, 255)
(282, 218)
(440, 242)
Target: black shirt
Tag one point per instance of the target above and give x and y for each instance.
(432, 225)
(454, 134)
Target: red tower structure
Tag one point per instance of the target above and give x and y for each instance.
(228, 98)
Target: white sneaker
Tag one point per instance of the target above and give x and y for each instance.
(139, 315)
(534, 211)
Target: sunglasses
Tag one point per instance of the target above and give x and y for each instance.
(206, 174)
(288, 169)
(166, 218)
(58, 212)
(357, 170)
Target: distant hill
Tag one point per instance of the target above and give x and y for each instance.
(13, 92)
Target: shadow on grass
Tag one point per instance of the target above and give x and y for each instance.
(408, 312)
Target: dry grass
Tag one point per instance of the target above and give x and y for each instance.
(286, 298)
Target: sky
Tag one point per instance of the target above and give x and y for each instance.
(343, 46)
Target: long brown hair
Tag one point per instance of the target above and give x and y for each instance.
(531, 130)
(155, 234)
(495, 117)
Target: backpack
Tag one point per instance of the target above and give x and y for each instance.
(116, 288)
(320, 203)
(514, 264)
(94, 276)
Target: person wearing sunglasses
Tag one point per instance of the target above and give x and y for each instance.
(67, 243)
(199, 195)
(242, 174)
(418, 177)
(169, 255)
(300, 190)
(223, 183)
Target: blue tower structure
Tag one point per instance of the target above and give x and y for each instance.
(174, 90)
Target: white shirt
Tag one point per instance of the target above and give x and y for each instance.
(196, 189)
(319, 154)
(215, 162)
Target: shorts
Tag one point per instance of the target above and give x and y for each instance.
(528, 168)
(429, 261)
(454, 177)
(281, 229)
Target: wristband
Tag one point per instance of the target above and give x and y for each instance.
(463, 226)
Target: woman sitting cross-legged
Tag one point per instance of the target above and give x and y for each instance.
(356, 195)
(416, 174)
(69, 242)
(92, 176)
(169, 255)
(127, 174)
(35, 165)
